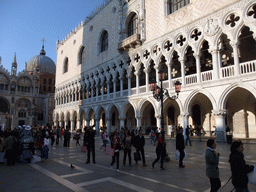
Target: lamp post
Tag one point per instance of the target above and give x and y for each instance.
(34, 112)
(160, 92)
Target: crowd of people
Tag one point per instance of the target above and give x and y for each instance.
(24, 142)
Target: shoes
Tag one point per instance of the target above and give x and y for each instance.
(182, 166)
(87, 162)
(145, 165)
(117, 170)
(162, 168)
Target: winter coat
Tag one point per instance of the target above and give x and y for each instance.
(239, 170)
(180, 142)
(212, 161)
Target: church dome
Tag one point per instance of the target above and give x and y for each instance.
(42, 62)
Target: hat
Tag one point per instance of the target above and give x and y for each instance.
(28, 128)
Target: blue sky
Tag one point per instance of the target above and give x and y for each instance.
(23, 23)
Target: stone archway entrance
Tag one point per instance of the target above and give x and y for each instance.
(241, 111)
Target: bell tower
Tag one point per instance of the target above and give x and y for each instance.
(14, 66)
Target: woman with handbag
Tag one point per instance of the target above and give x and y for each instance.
(239, 168)
(160, 151)
(116, 145)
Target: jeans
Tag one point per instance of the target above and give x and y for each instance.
(127, 151)
(115, 158)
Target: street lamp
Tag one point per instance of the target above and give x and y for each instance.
(34, 112)
(160, 92)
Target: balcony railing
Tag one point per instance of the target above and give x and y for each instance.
(191, 79)
(228, 71)
(206, 76)
(248, 67)
(129, 42)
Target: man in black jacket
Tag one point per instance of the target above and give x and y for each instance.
(89, 140)
(139, 143)
(180, 146)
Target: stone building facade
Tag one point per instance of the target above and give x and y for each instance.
(27, 97)
(104, 66)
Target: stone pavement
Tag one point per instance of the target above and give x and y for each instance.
(55, 173)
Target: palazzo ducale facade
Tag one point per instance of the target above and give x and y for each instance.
(105, 65)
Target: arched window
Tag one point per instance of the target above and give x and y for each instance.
(104, 41)
(133, 25)
(22, 113)
(44, 81)
(81, 55)
(50, 81)
(49, 89)
(65, 68)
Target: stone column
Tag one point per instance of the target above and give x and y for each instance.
(97, 125)
(72, 125)
(129, 85)
(220, 124)
(66, 123)
(108, 126)
(147, 80)
(138, 121)
(114, 92)
(121, 122)
(97, 92)
(121, 87)
(185, 122)
(198, 67)
(183, 77)
(170, 74)
(87, 122)
(137, 82)
(108, 89)
(215, 64)
(236, 58)
(79, 123)
(158, 121)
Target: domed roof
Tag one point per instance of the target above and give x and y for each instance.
(42, 62)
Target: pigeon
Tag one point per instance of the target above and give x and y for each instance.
(72, 166)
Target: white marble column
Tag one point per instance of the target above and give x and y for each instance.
(220, 124)
(147, 80)
(137, 82)
(87, 122)
(129, 85)
(158, 121)
(198, 67)
(121, 122)
(108, 90)
(108, 126)
(215, 64)
(121, 87)
(72, 125)
(97, 92)
(236, 58)
(138, 121)
(79, 123)
(114, 92)
(183, 77)
(97, 125)
(170, 74)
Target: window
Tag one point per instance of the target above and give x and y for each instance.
(22, 113)
(44, 81)
(50, 81)
(133, 25)
(104, 41)
(82, 56)
(65, 69)
(174, 5)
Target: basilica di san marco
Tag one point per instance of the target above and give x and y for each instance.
(27, 97)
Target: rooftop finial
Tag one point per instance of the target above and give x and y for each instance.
(42, 52)
(14, 59)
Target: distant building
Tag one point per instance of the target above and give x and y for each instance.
(104, 66)
(28, 97)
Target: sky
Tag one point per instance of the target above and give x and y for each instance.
(24, 23)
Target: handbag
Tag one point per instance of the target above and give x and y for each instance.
(152, 134)
(110, 151)
(252, 177)
(83, 149)
(137, 156)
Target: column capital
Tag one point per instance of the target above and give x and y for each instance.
(221, 112)
(184, 114)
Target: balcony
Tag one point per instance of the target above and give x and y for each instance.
(129, 42)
